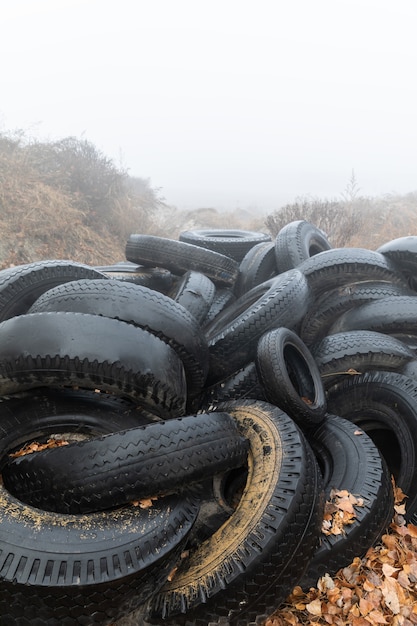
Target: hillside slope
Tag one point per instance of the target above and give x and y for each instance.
(66, 200)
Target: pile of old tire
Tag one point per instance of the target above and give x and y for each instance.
(229, 381)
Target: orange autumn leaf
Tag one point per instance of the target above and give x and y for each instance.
(34, 446)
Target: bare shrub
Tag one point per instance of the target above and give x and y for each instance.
(65, 199)
(341, 221)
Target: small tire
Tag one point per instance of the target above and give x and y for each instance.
(232, 243)
(290, 377)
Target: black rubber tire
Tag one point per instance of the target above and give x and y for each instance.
(403, 252)
(222, 299)
(64, 570)
(350, 461)
(157, 278)
(86, 569)
(232, 243)
(258, 265)
(360, 351)
(242, 385)
(179, 257)
(40, 414)
(91, 352)
(250, 564)
(195, 292)
(298, 241)
(346, 265)
(114, 469)
(141, 306)
(384, 405)
(391, 315)
(290, 377)
(325, 310)
(234, 334)
(20, 286)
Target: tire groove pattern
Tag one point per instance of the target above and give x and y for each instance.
(137, 463)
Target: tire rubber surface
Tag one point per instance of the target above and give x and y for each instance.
(91, 352)
(350, 461)
(179, 257)
(138, 463)
(141, 306)
(251, 563)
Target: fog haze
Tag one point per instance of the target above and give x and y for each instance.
(225, 104)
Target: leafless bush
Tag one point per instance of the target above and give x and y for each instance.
(342, 221)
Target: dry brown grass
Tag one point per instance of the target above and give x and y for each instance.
(65, 200)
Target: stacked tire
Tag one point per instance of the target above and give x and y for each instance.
(193, 407)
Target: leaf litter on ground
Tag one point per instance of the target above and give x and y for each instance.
(379, 588)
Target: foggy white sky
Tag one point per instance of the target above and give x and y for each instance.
(222, 103)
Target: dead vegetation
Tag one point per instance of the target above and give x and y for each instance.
(379, 588)
(66, 200)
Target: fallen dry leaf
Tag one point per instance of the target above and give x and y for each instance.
(34, 446)
(380, 588)
(339, 511)
(144, 503)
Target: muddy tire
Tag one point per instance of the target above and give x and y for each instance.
(249, 565)
(179, 257)
(141, 306)
(133, 464)
(91, 352)
(86, 569)
(350, 461)
(91, 569)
